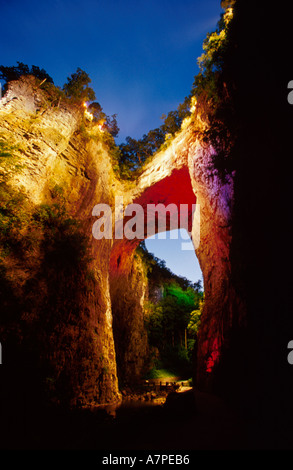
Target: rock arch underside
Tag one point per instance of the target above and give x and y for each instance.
(181, 175)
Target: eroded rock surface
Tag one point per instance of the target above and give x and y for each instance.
(54, 151)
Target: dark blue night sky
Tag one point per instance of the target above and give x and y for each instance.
(141, 55)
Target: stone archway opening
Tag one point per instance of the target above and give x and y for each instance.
(170, 199)
(133, 289)
(183, 174)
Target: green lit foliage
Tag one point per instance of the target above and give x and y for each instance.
(213, 90)
(14, 217)
(195, 316)
(170, 320)
(9, 164)
(13, 202)
(154, 320)
(167, 324)
(177, 305)
(77, 87)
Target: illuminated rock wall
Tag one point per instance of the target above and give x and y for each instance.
(82, 353)
(61, 333)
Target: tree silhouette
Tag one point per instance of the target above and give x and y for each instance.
(77, 87)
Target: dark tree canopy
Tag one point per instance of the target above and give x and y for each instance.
(15, 72)
(109, 122)
(77, 86)
(210, 88)
(134, 153)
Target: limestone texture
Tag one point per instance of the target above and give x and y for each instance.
(84, 317)
(62, 327)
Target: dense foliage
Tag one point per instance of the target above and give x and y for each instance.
(47, 242)
(210, 98)
(134, 153)
(76, 90)
(15, 72)
(77, 87)
(211, 91)
(172, 319)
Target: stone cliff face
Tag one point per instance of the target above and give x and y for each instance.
(128, 294)
(66, 310)
(78, 302)
(223, 307)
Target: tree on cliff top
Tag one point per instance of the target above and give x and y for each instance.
(109, 123)
(134, 153)
(77, 87)
(8, 74)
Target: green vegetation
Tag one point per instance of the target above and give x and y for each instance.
(172, 327)
(211, 94)
(172, 321)
(14, 210)
(15, 72)
(210, 98)
(159, 374)
(44, 256)
(8, 159)
(64, 243)
(135, 153)
(194, 321)
(77, 87)
(213, 90)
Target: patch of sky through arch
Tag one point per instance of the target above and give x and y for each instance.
(169, 246)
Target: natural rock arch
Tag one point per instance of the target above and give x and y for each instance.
(183, 174)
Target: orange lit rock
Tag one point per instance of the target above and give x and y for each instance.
(66, 317)
(111, 289)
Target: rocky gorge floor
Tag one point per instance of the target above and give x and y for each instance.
(154, 391)
(187, 420)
